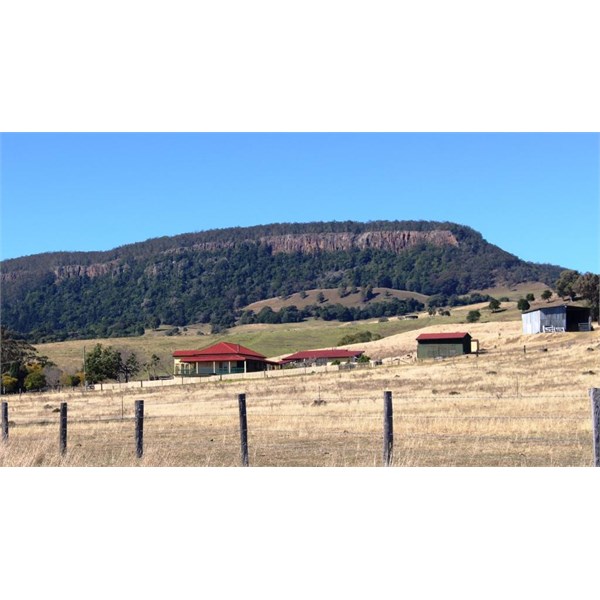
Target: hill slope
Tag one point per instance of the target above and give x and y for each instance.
(208, 277)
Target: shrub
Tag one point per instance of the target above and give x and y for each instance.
(36, 380)
(494, 305)
(70, 380)
(473, 316)
(9, 383)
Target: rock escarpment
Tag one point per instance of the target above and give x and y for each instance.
(304, 243)
(390, 241)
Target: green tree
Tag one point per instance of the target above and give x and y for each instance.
(367, 293)
(154, 322)
(70, 380)
(588, 287)
(523, 305)
(564, 284)
(530, 297)
(35, 380)
(494, 305)
(151, 365)
(473, 316)
(128, 367)
(320, 297)
(14, 350)
(343, 290)
(546, 295)
(17, 358)
(9, 384)
(102, 363)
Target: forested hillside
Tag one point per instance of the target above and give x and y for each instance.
(209, 277)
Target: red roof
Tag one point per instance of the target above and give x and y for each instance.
(212, 357)
(327, 354)
(443, 336)
(220, 351)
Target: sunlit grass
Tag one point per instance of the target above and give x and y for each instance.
(506, 407)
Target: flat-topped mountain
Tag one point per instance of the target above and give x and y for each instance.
(210, 276)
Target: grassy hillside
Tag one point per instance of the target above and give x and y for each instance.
(519, 290)
(332, 296)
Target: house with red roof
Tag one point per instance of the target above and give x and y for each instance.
(321, 357)
(434, 345)
(222, 358)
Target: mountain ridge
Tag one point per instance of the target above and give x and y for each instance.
(209, 276)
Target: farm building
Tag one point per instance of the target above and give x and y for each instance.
(557, 317)
(321, 357)
(220, 359)
(433, 345)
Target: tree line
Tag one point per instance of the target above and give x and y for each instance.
(332, 312)
(23, 368)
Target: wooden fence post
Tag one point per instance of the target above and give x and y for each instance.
(243, 429)
(63, 428)
(4, 421)
(595, 398)
(388, 429)
(139, 428)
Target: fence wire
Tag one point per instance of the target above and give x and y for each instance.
(325, 432)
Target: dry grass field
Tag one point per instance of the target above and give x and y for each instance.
(522, 402)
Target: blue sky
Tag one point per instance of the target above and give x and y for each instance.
(535, 195)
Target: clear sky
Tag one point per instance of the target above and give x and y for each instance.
(534, 195)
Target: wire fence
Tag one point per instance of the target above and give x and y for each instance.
(325, 432)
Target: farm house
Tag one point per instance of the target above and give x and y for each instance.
(434, 345)
(556, 318)
(321, 357)
(220, 359)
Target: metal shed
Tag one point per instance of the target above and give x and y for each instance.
(433, 345)
(556, 318)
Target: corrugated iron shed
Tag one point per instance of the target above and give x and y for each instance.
(556, 317)
(443, 336)
(434, 345)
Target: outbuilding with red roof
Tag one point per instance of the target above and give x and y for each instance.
(321, 357)
(222, 358)
(434, 345)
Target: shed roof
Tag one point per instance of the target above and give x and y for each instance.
(443, 336)
(554, 305)
(314, 354)
(220, 351)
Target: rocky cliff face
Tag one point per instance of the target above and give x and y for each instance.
(306, 243)
(391, 241)
(65, 272)
(62, 272)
